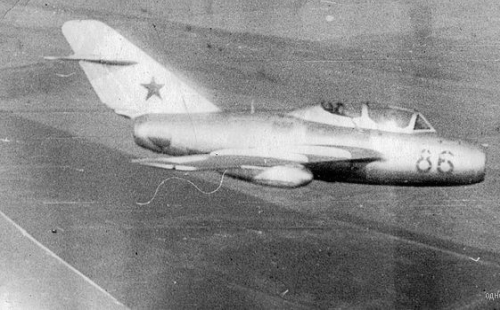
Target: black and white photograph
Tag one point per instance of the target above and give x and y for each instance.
(249, 154)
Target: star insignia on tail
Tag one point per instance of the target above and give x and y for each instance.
(153, 89)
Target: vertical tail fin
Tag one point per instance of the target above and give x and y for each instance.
(124, 77)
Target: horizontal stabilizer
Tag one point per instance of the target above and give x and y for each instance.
(94, 59)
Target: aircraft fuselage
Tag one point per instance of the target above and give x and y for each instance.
(407, 159)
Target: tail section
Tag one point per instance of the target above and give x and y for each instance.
(124, 77)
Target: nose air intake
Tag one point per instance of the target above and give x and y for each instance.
(471, 164)
(480, 166)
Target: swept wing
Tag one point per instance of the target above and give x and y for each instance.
(261, 158)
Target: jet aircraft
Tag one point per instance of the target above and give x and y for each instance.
(370, 144)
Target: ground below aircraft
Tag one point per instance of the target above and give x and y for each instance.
(370, 143)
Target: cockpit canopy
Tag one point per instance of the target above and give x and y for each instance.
(367, 116)
(394, 119)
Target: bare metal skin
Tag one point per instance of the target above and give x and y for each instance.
(405, 159)
(371, 143)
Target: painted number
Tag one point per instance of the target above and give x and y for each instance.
(445, 165)
(444, 162)
(424, 163)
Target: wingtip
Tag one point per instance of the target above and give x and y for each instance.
(168, 166)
